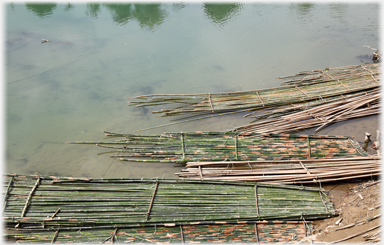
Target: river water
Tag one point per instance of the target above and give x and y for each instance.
(100, 55)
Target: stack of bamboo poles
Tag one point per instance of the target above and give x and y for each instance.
(285, 172)
(301, 88)
(226, 146)
(40, 203)
(321, 114)
(206, 232)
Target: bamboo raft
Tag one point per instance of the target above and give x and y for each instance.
(206, 232)
(285, 172)
(226, 146)
(45, 203)
(320, 114)
(314, 86)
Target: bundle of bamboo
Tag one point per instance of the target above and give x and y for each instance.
(34, 203)
(206, 232)
(227, 146)
(302, 87)
(285, 120)
(285, 172)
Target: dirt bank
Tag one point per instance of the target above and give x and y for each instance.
(359, 208)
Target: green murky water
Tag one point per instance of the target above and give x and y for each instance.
(100, 55)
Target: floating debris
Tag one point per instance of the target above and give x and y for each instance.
(376, 55)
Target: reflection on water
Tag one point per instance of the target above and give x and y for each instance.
(148, 15)
(303, 9)
(101, 54)
(41, 9)
(221, 13)
(93, 9)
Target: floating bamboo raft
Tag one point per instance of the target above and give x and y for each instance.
(288, 120)
(206, 232)
(45, 203)
(285, 172)
(226, 146)
(304, 87)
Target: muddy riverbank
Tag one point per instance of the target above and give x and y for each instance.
(359, 208)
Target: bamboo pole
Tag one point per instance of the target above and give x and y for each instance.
(357, 234)
(6, 193)
(29, 197)
(256, 233)
(256, 200)
(55, 236)
(150, 204)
